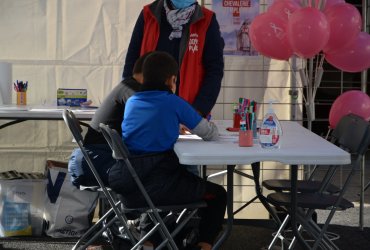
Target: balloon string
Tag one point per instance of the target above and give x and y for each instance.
(317, 64)
(318, 74)
(322, 60)
(307, 79)
(296, 80)
(317, 82)
(323, 3)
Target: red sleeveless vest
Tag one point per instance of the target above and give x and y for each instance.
(192, 69)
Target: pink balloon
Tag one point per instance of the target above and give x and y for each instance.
(353, 58)
(345, 24)
(284, 8)
(350, 102)
(268, 36)
(308, 31)
(330, 3)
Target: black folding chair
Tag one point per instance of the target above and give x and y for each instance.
(310, 185)
(116, 212)
(186, 211)
(353, 135)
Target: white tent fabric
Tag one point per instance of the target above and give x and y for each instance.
(59, 44)
(82, 44)
(66, 44)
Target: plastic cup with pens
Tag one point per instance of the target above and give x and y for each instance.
(21, 88)
(245, 112)
(245, 134)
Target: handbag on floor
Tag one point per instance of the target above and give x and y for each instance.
(68, 210)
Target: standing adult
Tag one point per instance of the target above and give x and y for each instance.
(191, 34)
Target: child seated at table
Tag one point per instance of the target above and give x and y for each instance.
(110, 113)
(150, 129)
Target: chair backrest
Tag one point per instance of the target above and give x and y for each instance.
(76, 130)
(120, 151)
(73, 125)
(352, 133)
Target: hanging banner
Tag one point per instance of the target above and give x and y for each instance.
(235, 17)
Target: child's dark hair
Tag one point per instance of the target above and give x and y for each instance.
(138, 66)
(158, 67)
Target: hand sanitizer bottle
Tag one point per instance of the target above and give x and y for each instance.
(270, 130)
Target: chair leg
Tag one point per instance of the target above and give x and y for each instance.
(93, 228)
(325, 239)
(261, 197)
(321, 239)
(180, 226)
(278, 233)
(160, 226)
(294, 240)
(100, 232)
(367, 186)
(92, 239)
(143, 239)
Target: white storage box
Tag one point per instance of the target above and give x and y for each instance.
(71, 97)
(22, 207)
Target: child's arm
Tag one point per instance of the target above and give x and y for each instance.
(190, 118)
(207, 130)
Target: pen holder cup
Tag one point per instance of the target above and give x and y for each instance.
(21, 98)
(246, 138)
(236, 120)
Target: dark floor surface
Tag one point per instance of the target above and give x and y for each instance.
(247, 236)
(243, 237)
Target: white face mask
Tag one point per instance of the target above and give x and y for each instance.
(180, 4)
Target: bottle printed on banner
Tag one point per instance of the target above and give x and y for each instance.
(270, 130)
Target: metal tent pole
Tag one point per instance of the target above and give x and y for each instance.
(363, 88)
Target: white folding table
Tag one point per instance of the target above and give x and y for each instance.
(17, 114)
(298, 146)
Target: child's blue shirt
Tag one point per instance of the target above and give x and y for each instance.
(152, 118)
